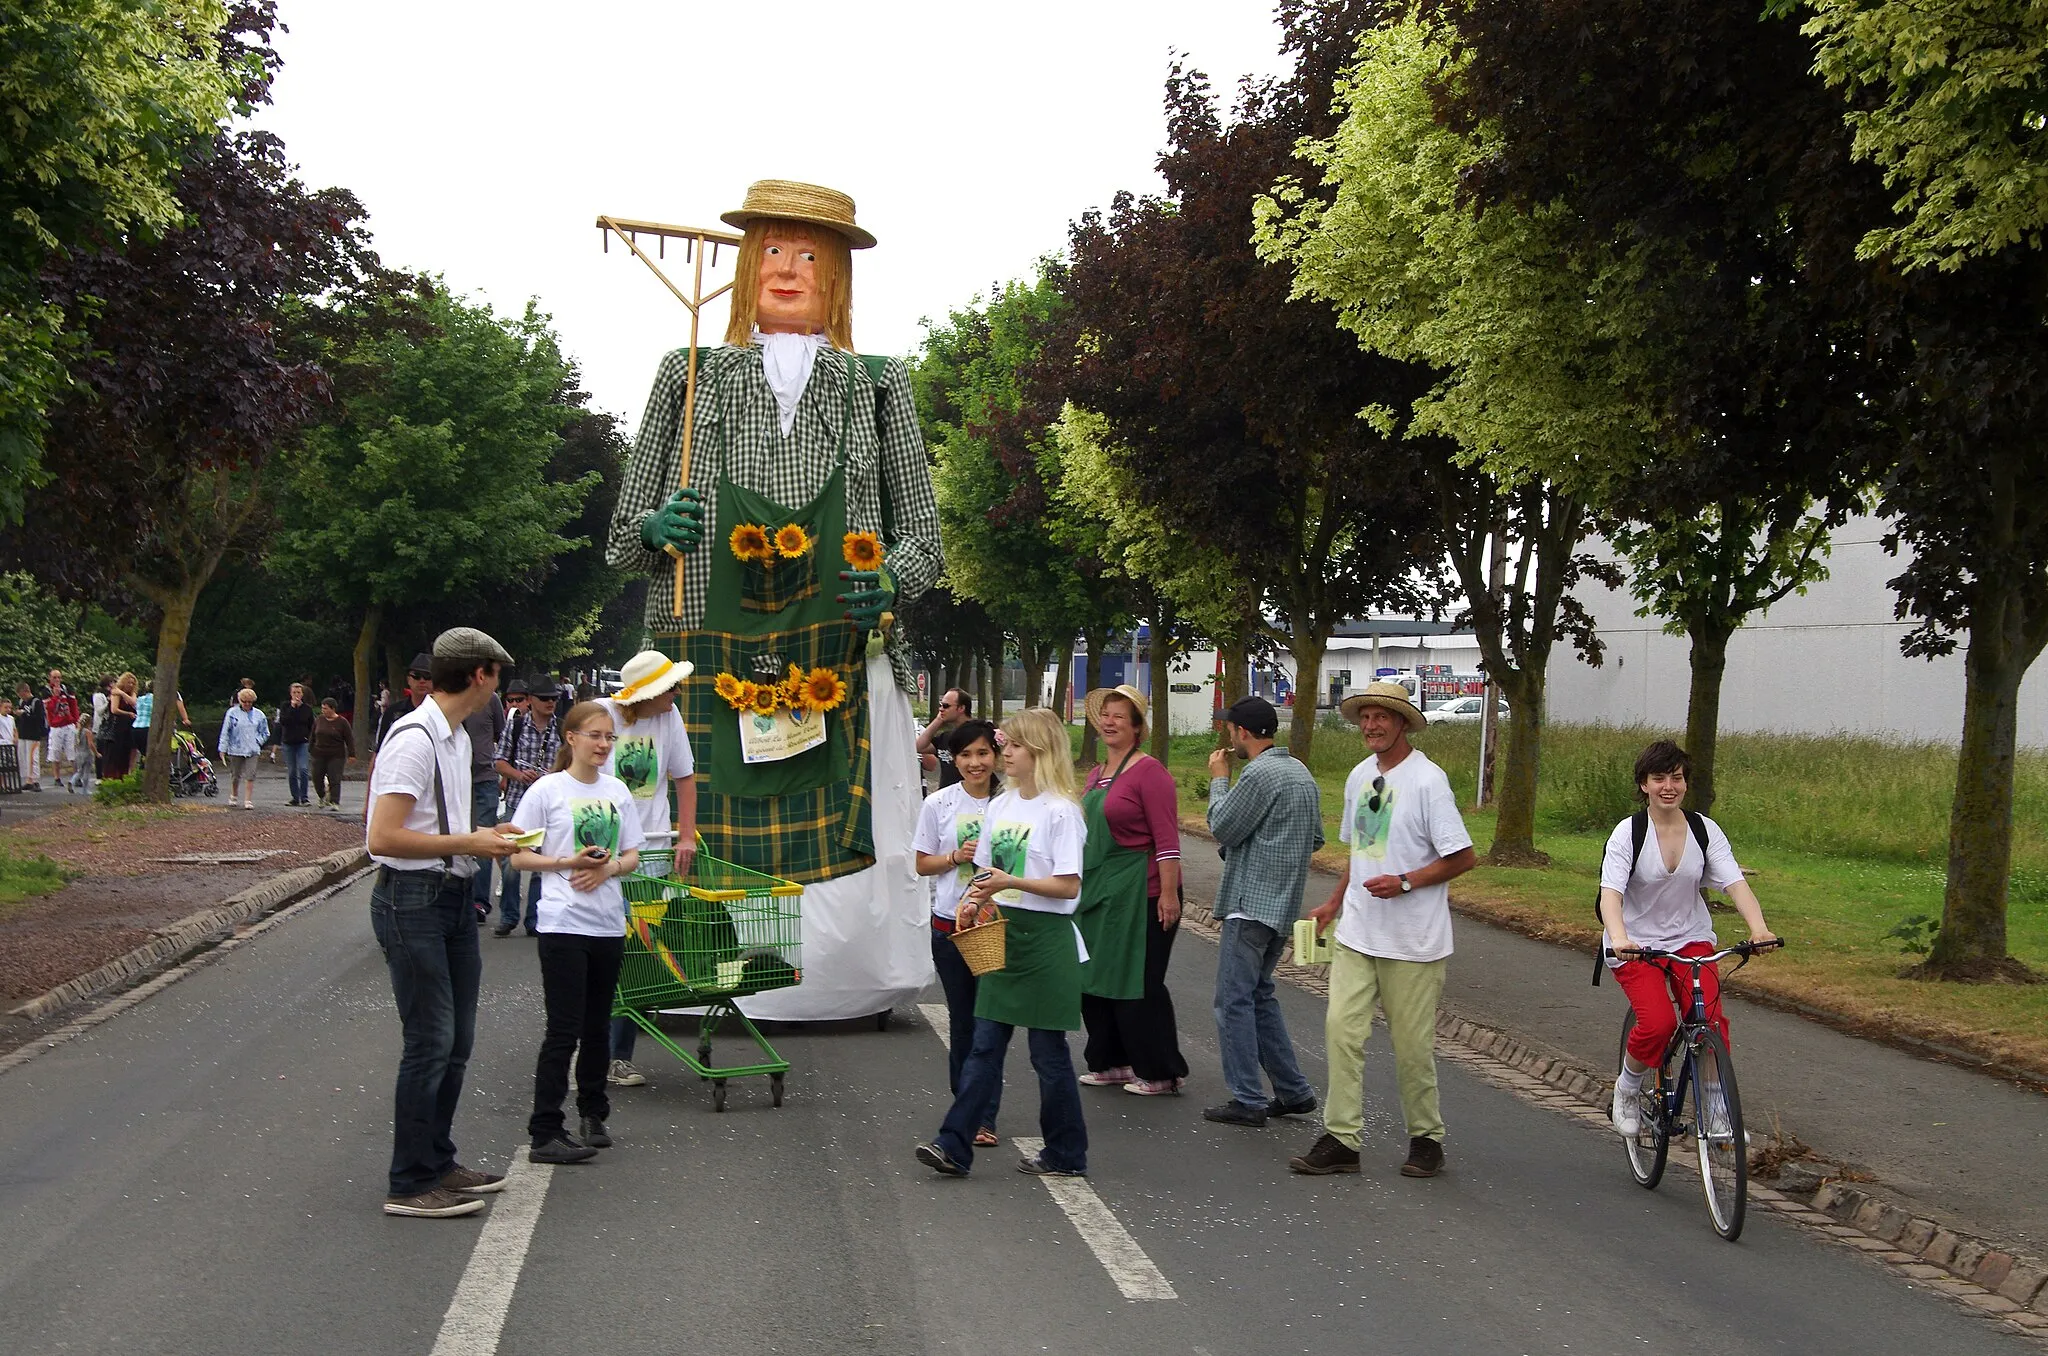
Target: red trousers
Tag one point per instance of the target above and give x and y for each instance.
(1659, 991)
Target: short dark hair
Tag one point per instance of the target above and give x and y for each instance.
(330, 703)
(455, 675)
(1661, 756)
(960, 699)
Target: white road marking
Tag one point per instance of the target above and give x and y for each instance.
(939, 1020)
(1104, 1234)
(476, 1316)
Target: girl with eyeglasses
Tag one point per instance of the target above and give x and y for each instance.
(591, 835)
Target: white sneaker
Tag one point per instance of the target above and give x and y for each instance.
(1627, 1112)
(624, 1075)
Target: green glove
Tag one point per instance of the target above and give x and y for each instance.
(869, 593)
(679, 524)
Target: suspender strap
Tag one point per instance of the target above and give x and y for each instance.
(440, 795)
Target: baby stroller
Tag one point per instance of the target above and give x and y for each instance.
(191, 772)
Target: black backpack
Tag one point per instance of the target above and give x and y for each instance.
(1639, 833)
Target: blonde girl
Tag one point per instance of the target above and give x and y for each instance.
(1029, 853)
(590, 836)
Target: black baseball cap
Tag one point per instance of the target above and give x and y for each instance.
(1255, 716)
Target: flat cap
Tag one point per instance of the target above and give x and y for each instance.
(468, 643)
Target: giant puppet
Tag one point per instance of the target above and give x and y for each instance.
(800, 513)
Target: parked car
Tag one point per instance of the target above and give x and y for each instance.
(610, 681)
(1465, 711)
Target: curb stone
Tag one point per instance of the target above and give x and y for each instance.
(1995, 1282)
(196, 932)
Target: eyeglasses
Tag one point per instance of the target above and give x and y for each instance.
(602, 736)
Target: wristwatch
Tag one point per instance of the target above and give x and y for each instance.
(1406, 884)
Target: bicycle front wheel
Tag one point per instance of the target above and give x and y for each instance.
(1650, 1144)
(1717, 1130)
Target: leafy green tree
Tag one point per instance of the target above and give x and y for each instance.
(430, 486)
(40, 632)
(101, 101)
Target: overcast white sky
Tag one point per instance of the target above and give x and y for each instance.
(486, 138)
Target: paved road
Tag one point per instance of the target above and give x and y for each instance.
(202, 1173)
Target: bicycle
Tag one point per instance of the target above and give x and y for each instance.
(1704, 1067)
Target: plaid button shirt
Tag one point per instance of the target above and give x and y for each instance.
(1269, 824)
(526, 743)
(736, 413)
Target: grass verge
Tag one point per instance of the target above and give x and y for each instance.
(23, 878)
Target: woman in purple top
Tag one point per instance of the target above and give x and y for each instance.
(1130, 905)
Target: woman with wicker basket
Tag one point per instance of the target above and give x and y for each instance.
(948, 831)
(1030, 854)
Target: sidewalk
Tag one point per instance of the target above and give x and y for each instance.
(1949, 1143)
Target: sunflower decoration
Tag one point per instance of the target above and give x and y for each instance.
(823, 690)
(863, 550)
(728, 689)
(750, 542)
(790, 691)
(791, 541)
(764, 698)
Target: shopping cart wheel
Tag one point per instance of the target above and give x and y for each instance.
(704, 1051)
(718, 1094)
(775, 1088)
(882, 1021)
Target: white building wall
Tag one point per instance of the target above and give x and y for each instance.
(1824, 663)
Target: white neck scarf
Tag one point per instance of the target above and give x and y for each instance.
(786, 361)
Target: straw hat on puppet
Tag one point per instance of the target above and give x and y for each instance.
(786, 200)
(1093, 702)
(1392, 696)
(649, 674)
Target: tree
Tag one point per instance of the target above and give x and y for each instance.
(1232, 407)
(429, 489)
(39, 632)
(101, 101)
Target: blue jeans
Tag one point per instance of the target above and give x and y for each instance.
(424, 924)
(508, 897)
(483, 813)
(960, 985)
(1059, 1096)
(1250, 1029)
(298, 770)
(625, 1032)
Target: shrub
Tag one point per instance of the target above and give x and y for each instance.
(120, 790)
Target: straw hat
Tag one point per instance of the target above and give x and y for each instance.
(1392, 696)
(649, 674)
(785, 200)
(1093, 702)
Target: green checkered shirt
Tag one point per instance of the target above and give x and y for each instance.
(884, 463)
(1269, 824)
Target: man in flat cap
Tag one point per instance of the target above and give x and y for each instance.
(807, 518)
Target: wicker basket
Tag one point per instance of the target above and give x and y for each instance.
(982, 946)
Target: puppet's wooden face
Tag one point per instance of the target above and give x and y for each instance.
(790, 301)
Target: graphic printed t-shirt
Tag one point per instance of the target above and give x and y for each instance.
(1397, 822)
(1660, 908)
(648, 754)
(950, 819)
(577, 815)
(1034, 839)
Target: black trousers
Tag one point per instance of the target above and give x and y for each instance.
(578, 976)
(327, 777)
(1138, 1033)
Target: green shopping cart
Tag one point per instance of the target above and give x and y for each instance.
(704, 942)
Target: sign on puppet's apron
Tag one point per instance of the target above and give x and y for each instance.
(785, 734)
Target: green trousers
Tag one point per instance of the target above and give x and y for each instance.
(1408, 992)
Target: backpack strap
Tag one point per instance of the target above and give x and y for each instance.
(1697, 822)
(1638, 834)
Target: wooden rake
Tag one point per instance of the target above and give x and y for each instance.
(697, 241)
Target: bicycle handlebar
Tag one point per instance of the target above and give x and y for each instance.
(1742, 949)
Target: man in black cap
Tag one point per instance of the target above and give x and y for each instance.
(419, 681)
(1269, 825)
(421, 838)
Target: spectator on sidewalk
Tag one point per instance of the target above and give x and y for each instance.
(1130, 905)
(419, 682)
(60, 715)
(525, 755)
(30, 729)
(333, 747)
(243, 733)
(92, 764)
(122, 708)
(10, 735)
(1267, 826)
(934, 750)
(485, 726)
(1393, 916)
(295, 736)
(420, 836)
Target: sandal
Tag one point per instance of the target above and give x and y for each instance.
(985, 1138)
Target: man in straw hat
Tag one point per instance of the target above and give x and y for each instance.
(806, 517)
(1393, 917)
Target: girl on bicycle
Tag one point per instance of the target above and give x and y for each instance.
(1654, 901)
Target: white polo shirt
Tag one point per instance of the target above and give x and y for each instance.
(405, 766)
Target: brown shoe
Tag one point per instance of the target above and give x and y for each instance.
(1329, 1155)
(1425, 1158)
(438, 1203)
(459, 1178)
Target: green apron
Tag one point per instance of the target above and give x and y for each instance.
(1039, 985)
(1113, 902)
(806, 818)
